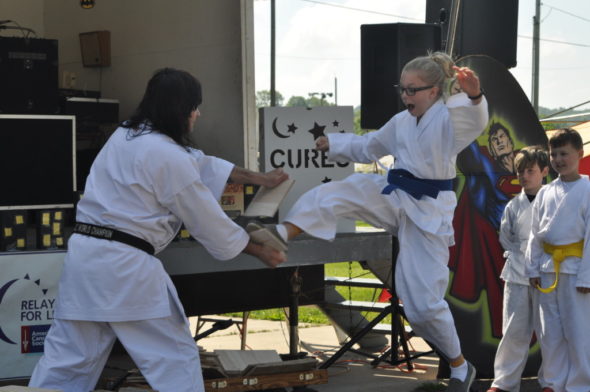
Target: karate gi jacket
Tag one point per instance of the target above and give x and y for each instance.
(515, 229)
(428, 149)
(147, 186)
(561, 216)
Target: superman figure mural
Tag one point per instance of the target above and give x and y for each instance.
(486, 184)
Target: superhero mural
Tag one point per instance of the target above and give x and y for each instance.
(486, 181)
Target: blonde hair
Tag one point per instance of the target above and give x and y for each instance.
(436, 69)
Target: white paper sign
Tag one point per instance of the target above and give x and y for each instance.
(28, 288)
(288, 140)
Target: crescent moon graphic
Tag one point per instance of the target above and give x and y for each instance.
(2, 292)
(276, 131)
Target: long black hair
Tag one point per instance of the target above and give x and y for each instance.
(170, 97)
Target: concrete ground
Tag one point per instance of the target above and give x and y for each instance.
(352, 373)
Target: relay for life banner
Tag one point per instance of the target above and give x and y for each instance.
(28, 288)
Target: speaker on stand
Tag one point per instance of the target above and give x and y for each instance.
(28, 76)
(483, 27)
(385, 49)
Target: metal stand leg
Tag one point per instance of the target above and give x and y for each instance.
(294, 325)
(398, 335)
(294, 314)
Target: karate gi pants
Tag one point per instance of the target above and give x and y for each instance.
(520, 317)
(565, 340)
(421, 274)
(162, 348)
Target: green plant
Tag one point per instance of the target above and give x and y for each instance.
(312, 314)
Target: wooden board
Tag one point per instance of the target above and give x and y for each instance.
(234, 362)
(262, 382)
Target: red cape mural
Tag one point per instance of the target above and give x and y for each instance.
(485, 182)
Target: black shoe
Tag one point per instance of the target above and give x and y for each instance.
(456, 385)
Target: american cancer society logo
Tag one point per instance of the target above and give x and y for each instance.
(26, 313)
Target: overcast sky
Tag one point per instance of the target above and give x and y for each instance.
(318, 42)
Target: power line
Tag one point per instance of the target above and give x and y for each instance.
(362, 10)
(568, 109)
(565, 12)
(564, 117)
(556, 41)
(416, 19)
(310, 58)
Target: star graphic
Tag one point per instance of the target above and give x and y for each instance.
(292, 128)
(317, 130)
(335, 123)
(326, 179)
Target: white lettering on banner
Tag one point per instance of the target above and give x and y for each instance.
(38, 337)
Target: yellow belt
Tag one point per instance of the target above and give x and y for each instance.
(559, 253)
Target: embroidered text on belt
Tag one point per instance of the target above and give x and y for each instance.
(107, 233)
(559, 253)
(416, 187)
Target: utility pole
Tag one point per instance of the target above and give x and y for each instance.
(536, 47)
(273, 94)
(335, 91)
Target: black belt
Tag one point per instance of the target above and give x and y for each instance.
(114, 235)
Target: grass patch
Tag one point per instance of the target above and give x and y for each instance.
(312, 314)
(362, 224)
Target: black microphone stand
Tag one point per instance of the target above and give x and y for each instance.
(399, 337)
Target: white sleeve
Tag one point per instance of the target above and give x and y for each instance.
(362, 148)
(214, 171)
(207, 222)
(534, 250)
(469, 119)
(583, 278)
(508, 236)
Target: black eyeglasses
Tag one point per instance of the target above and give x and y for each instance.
(410, 91)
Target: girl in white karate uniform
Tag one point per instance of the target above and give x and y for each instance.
(424, 140)
(145, 182)
(520, 316)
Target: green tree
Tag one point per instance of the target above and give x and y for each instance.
(263, 98)
(297, 101)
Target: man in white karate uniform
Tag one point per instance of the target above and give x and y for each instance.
(143, 185)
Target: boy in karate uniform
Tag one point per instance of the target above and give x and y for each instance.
(520, 311)
(558, 264)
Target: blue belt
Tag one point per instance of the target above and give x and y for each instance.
(416, 187)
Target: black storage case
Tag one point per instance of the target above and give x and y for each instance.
(28, 76)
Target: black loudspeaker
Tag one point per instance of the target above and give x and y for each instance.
(28, 76)
(483, 27)
(385, 49)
